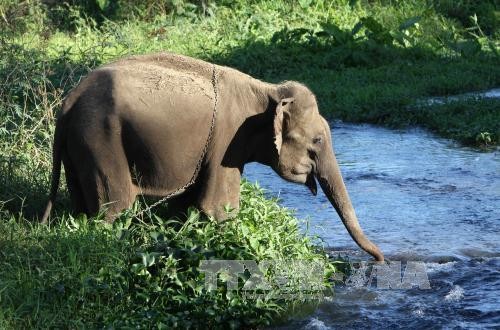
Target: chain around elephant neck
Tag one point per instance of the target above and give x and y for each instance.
(182, 189)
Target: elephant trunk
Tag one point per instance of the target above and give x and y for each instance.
(330, 179)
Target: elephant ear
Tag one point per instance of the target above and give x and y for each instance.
(281, 108)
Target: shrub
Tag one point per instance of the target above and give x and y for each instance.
(487, 12)
(81, 272)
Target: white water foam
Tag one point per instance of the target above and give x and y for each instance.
(433, 267)
(456, 294)
(489, 94)
(317, 324)
(418, 312)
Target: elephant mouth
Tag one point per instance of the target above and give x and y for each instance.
(296, 173)
(294, 176)
(302, 170)
(306, 178)
(299, 177)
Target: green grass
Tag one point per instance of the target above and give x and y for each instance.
(80, 272)
(367, 61)
(473, 121)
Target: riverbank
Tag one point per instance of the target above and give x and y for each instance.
(146, 273)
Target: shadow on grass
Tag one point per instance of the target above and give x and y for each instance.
(362, 80)
(31, 90)
(50, 277)
(372, 80)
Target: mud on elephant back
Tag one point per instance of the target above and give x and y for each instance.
(141, 126)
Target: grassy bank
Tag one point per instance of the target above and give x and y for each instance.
(83, 273)
(367, 61)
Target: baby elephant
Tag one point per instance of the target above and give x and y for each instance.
(166, 124)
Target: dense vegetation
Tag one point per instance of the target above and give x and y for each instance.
(367, 61)
(144, 272)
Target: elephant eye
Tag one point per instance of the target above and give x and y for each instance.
(317, 140)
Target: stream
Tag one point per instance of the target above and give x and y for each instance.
(419, 198)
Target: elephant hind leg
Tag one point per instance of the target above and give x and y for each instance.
(107, 191)
(120, 194)
(101, 171)
(107, 186)
(74, 187)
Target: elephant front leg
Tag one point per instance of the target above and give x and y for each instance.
(220, 190)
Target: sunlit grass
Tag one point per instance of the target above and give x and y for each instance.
(81, 271)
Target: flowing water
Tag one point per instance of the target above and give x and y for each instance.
(489, 94)
(419, 198)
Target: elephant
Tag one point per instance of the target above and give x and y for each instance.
(151, 124)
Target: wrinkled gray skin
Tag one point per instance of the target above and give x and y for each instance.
(138, 126)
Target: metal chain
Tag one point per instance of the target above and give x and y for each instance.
(200, 161)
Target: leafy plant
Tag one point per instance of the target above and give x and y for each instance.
(484, 137)
(103, 4)
(462, 10)
(145, 274)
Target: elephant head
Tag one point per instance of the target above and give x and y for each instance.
(304, 148)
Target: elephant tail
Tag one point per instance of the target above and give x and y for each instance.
(56, 168)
